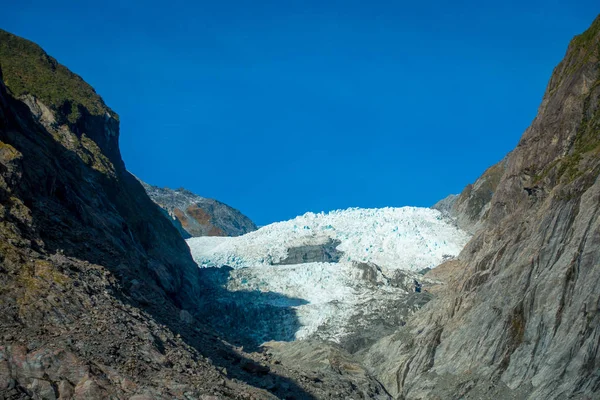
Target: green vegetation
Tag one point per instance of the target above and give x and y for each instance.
(8, 152)
(91, 154)
(27, 69)
(586, 37)
(517, 327)
(586, 144)
(581, 49)
(587, 139)
(537, 178)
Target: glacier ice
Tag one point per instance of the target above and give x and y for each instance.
(340, 300)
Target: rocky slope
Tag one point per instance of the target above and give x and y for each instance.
(519, 315)
(98, 291)
(469, 208)
(197, 216)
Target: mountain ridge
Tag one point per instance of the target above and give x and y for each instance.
(196, 216)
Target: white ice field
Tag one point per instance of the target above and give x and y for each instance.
(407, 238)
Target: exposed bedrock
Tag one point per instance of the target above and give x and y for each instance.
(325, 252)
(520, 311)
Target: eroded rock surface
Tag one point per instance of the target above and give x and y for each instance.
(324, 252)
(519, 315)
(469, 208)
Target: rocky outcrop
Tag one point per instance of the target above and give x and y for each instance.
(309, 253)
(469, 208)
(197, 216)
(324, 361)
(445, 205)
(519, 316)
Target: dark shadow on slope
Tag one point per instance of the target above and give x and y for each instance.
(247, 318)
(83, 213)
(231, 320)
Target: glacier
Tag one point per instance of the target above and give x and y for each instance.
(370, 286)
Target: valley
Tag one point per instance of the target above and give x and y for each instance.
(113, 288)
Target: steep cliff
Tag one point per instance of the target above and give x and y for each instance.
(197, 216)
(469, 208)
(98, 291)
(520, 312)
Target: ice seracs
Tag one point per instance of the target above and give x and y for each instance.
(408, 238)
(341, 296)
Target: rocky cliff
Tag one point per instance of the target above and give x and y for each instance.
(519, 316)
(197, 216)
(98, 292)
(469, 208)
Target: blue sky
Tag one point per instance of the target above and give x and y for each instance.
(283, 107)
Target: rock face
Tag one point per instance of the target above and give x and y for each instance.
(325, 252)
(445, 205)
(470, 207)
(99, 295)
(519, 315)
(197, 216)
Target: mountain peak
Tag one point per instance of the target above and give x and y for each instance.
(195, 216)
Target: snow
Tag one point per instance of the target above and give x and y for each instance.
(325, 286)
(407, 239)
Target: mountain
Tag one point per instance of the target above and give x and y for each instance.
(348, 274)
(520, 314)
(196, 216)
(99, 295)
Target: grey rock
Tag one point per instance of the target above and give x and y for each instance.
(322, 252)
(320, 361)
(446, 204)
(518, 314)
(469, 208)
(254, 367)
(186, 317)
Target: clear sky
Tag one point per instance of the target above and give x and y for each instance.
(283, 107)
